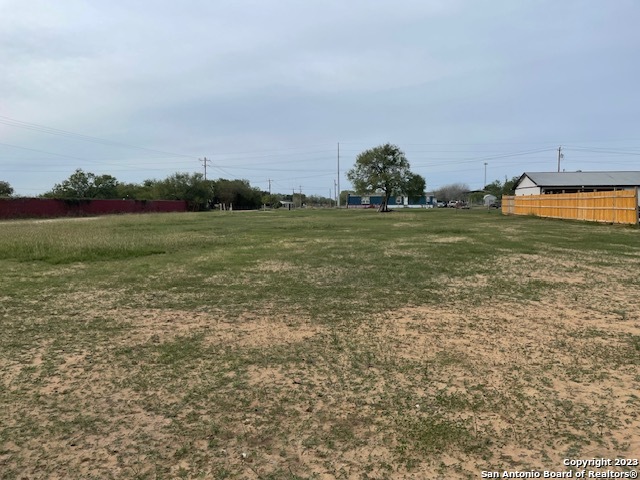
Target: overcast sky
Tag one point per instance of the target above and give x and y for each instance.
(267, 88)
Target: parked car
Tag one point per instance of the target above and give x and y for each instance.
(452, 204)
(495, 205)
(441, 204)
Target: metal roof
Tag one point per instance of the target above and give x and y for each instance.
(584, 179)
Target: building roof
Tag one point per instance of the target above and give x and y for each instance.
(583, 179)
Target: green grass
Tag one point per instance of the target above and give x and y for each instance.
(301, 344)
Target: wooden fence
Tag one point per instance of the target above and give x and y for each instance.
(619, 206)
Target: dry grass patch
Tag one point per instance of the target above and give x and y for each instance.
(450, 239)
(271, 266)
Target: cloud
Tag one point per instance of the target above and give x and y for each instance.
(200, 76)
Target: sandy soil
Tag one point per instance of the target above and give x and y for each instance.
(537, 377)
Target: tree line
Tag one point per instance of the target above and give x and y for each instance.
(200, 194)
(381, 170)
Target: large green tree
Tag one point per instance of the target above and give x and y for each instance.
(237, 193)
(191, 187)
(105, 186)
(415, 186)
(132, 191)
(385, 170)
(344, 196)
(6, 190)
(81, 184)
(509, 186)
(494, 188)
(271, 199)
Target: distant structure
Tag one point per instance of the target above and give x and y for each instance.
(287, 205)
(395, 202)
(539, 183)
(489, 199)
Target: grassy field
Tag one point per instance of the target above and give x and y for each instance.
(315, 345)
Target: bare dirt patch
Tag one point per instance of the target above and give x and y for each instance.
(451, 239)
(49, 220)
(244, 330)
(559, 372)
(277, 267)
(554, 372)
(512, 368)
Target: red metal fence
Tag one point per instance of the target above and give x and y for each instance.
(48, 207)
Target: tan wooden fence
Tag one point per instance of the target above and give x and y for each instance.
(619, 206)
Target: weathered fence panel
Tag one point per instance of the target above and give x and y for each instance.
(618, 206)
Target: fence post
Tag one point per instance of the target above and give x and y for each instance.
(637, 208)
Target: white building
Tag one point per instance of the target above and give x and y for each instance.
(537, 183)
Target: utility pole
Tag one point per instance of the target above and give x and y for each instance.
(560, 156)
(205, 162)
(335, 192)
(338, 187)
(485, 176)
(300, 196)
(269, 186)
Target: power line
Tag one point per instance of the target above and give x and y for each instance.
(602, 150)
(60, 155)
(272, 169)
(78, 136)
(451, 157)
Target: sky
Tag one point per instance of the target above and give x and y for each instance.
(266, 90)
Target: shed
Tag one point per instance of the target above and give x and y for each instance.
(287, 204)
(489, 199)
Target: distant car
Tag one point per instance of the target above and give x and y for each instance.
(441, 204)
(452, 204)
(496, 205)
